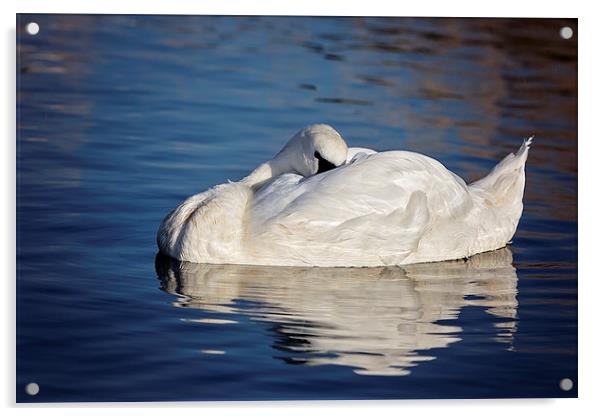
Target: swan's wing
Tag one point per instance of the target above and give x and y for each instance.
(273, 197)
(382, 203)
(377, 184)
(353, 152)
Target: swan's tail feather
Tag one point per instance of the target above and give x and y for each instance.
(526, 145)
(505, 184)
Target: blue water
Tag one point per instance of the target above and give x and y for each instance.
(121, 117)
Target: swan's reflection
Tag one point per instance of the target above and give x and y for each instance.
(377, 320)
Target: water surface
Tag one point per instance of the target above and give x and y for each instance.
(121, 117)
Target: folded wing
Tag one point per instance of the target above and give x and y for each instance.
(378, 206)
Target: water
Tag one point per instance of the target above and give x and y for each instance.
(121, 117)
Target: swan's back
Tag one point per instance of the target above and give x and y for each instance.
(377, 184)
(370, 212)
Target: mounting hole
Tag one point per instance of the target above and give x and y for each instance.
(566, 384)
(32, 28)
(566, 33)
(32, 389)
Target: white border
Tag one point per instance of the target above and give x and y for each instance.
(590, 71)
(507, 8)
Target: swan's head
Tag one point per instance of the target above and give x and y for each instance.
(314, 149)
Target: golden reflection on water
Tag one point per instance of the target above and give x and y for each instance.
(379, 321)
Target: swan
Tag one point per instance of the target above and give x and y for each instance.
(320, 203)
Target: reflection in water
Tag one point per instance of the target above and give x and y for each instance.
(380, 321)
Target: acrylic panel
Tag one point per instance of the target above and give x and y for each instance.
(121, 117)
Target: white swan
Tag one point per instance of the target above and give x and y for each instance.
(319, 203)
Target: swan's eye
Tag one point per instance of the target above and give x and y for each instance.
(323, 164)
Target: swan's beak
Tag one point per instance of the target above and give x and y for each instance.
(323, 164)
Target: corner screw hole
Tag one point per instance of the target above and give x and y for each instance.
(566, 384)
(32, 28)
(566, 33)
(32, 389)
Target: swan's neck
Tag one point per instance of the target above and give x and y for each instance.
(264, 173)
